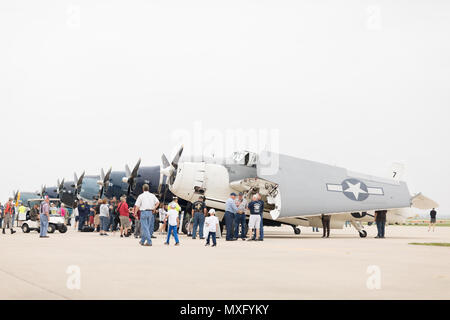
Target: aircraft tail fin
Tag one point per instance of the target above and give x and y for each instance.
(397, 171)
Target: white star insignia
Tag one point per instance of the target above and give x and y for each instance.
(355, 189)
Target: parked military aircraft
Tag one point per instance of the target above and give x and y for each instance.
(89, 188)
(298, 192)
(152, 176)
(68, 191)
(112, 184)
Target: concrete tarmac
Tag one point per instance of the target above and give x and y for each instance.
(284, 266)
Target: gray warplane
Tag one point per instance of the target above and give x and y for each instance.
(296, 192)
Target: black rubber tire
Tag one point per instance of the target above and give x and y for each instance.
(62, 229)
(25, 228)
(51, 228)
(363, 233)
(297, 231)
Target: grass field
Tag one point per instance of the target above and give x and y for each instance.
(434, 244)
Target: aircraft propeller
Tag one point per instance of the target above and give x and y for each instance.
(170, 169)
(104, 182)
(78, 183)
(60, 187)
(131, 176)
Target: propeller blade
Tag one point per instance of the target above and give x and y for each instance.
(136, 169)
(177, 157)
(105, 182)
(102, 175)
(127, 171)
(165, 162)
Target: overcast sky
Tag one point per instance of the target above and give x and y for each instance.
(92, 84)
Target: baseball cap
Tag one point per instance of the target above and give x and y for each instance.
(233, 194)
(212, 211)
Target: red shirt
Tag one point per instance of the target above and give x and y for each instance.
(123, 209)
(8, 209)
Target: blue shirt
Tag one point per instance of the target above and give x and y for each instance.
(83, 210)
(230, 206)
(256, 207)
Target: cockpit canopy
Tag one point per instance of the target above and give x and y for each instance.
(246, 158)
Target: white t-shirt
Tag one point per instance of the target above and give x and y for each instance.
(162, 214)
(75, 212)
(172, 216)
(211, 223)
(104, 210)
(146, 201)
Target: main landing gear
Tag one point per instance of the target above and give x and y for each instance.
(358, 226)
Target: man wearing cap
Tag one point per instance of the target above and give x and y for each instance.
(44, 216)
(230, 210)
(83, 213)
(146, 203)
(7, 215)
(240, 217)
(199, 212)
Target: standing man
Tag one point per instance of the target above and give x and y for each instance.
(261, 227)
(199, 212)
(230, 210)
(146, 203)
(1, 214)
(432, 219)
(83, 213)
(44, 216)
(7, 216)
(240, 217)
(256, 208)
(326, 225)
(380, 219)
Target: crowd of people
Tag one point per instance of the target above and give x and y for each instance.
(106, 216)
(114, 215)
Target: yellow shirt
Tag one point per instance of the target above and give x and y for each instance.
(22, 209)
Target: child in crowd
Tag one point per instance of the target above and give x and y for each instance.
(162, 217)
(212, 223)
(174, 221)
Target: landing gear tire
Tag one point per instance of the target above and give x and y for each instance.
(297, 231)
(363, 233)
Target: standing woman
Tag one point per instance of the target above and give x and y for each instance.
(75, 215)
(97, 215)
(63, 213)
(104, 217)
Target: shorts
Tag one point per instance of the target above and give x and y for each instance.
(91, 219)
(77, 218)
(255, 221)
(433, 220)
(97, 219)
(124, 221)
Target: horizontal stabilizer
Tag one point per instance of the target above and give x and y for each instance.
(419, 201)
